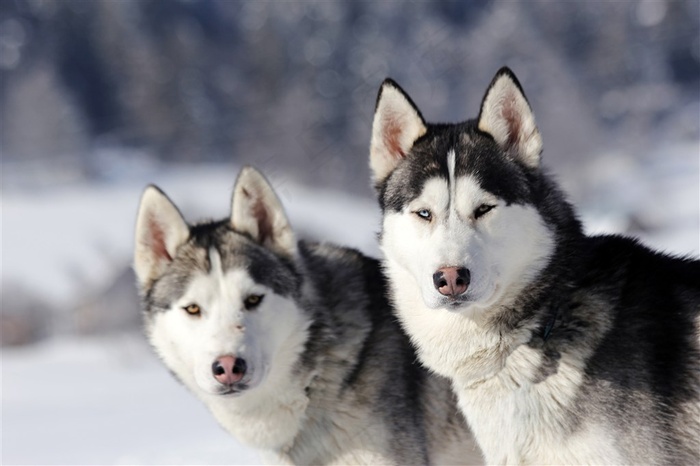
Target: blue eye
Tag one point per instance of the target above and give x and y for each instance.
(424, 214)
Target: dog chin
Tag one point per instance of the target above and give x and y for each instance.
(460, 305)
(433, 300)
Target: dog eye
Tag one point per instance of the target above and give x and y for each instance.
(424, 214)
(253, 301)
(193, 310)
(482, 209)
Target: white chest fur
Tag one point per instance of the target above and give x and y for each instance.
(264, 421)
(515, 416)
(518, 421)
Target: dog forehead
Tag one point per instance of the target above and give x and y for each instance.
(426, 162)
(434, 194)
(468, 190)
(238, 251)
(452, 152)
(490, 169)
(225, 250)
(431, 165)
(264, 267)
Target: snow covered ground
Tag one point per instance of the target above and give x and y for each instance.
(104, 401)
(107, 400)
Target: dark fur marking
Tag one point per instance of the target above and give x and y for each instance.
(651, 318)
(271, 270)
(476, 154)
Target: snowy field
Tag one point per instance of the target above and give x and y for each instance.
(107, 400)
(104, 401)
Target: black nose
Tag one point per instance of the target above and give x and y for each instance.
(451, 281)
(240, 366)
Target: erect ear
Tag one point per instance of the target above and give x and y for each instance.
(160, 230)
(396, 126)
(506, 115)
(256, 211)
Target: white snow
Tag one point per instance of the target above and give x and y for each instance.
(104, 401)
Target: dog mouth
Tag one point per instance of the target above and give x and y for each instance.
(251, 380)
(459, 302)
(233, 390)
(471, 299)
(455, 304)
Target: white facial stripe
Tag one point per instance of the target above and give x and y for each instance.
(220, 279)
(451, 156)
(215, 262)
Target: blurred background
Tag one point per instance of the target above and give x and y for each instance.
(101, 97)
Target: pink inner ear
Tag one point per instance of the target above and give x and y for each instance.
(392, 137)
(262, 216)
(512, 118)
(157, 239)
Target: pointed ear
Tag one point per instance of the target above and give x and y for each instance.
(396, 126)
(256, 211)
(506, 115)
(160, 230)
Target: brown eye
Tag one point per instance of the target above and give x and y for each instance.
(482, 209)
(193, 310)
(252, 301)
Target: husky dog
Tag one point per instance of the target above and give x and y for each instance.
(562, 348)
(292, 346)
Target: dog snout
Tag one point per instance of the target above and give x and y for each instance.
(451, 281)
(228, 369)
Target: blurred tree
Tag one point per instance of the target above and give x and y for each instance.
(291, 84)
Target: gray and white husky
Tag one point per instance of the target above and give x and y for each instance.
(562, 348)
(292, 346)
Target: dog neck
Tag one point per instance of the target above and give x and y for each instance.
(480, 341)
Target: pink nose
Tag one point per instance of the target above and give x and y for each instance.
(451, 281)
(228, 370)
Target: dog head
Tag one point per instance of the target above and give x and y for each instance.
(461, 222)
(220, 298)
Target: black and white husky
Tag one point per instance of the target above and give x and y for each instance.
(292, 346)
(562, 348)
